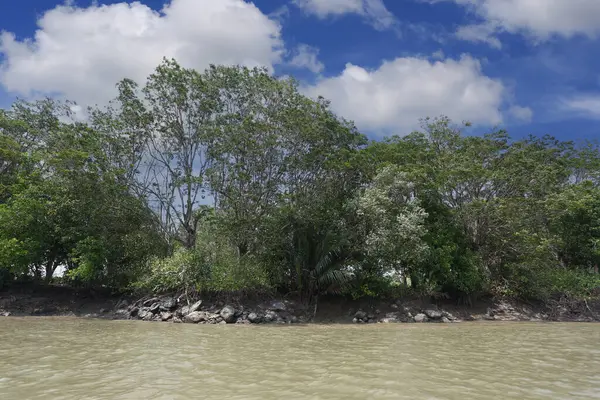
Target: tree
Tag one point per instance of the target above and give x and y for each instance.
(393, 223)
(167, 126)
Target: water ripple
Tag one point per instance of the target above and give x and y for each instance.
(61, 358)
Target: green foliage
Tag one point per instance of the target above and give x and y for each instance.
(230, 179)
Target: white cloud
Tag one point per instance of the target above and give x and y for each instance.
(521, 113)
(374, 11)
(587, 105)
(438, 55)
(307, 57)
(392, 98)
(479, 33)
(539, 19)
(82, 53)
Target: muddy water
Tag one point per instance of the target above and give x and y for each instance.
(50, 358)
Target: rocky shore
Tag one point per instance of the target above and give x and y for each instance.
(60, 301)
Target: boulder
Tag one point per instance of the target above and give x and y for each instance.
(168, 304)
(195, 317)
(195, 306)
(155, 308)
(278, 306)
(123, 304)
(270, 316)
(149, 302)
(228, 314)
(420, 318)
(183, 311)
(134, 312)
(177, 320)
(446, 320)
(165, 316)
(254, 318)
(389, 320)
(449, 316)
(145, 315)
(434, 314)
(361, 315)
(4, 314)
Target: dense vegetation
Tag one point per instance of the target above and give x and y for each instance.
(231, 180)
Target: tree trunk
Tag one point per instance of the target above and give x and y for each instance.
(50, 268)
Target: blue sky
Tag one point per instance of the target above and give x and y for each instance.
(525, 65)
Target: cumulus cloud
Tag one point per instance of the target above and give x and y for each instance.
(392, 98)
(538, 19)
(373, 11)
(307, 57)
(81, 53)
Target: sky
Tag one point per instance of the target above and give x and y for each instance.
(528, 66)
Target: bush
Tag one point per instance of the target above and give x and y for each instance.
(212, 266)
(535, 281)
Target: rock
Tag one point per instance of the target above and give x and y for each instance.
(242, 321)
(355, 320)
(434, 314)
(278, 306)
(294, 319)
(361, 315)
(4, 314)
(446, 320)
(222, 323)
(195, 306)
(149, 302)
(134, 312)
(420, 318)
(177, 320)
(228, 314)
(254, 318)
(165, 316)
(489, 317)
(183, 311)
(394, 306)
(145, 315)
(156, 317)
(270, 316)
(155, 308)
(103, 311)
(168, 304)
(449, 316)
(121, 314)
(195, 317)
(123, 304)
(388, 320)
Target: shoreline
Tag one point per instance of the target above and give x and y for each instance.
(39, 301)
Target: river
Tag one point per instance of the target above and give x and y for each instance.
(63, 358)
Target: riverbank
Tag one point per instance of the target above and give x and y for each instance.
(65, 301)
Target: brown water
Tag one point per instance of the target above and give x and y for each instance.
(91, 359)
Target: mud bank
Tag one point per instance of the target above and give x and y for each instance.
(66, 301)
